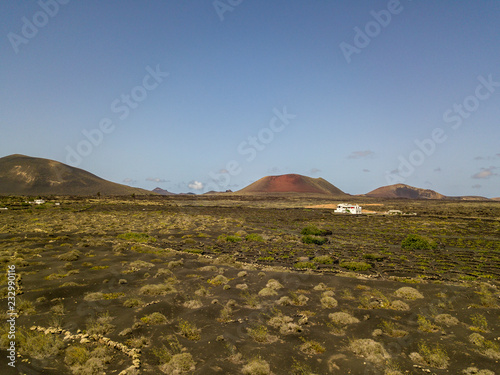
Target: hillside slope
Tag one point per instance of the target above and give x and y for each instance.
(291, 183)
(25, 175)
(404, 191)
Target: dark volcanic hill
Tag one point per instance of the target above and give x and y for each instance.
(404, 191)
(291, 183)
(162, 191)
(25, 175)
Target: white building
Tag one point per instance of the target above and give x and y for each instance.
(348, 208)
(39, 201)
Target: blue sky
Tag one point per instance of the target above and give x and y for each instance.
(199, 95)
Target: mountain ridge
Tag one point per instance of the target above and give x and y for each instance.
(26, 175)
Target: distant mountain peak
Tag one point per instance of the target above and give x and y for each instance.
(291, 183)
(162, 191)
(404, 191)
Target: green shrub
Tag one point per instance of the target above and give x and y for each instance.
(315, 231)
(254, 237)
(314, 239)
(304, 265)
(188, 330)
(259, 333)
(356, 266)
(416, 242)
(323, 259)
(266, 259)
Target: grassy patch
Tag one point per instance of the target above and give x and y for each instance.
(97, 296)
(305, 265)
(355, 266)
(254, 237)
(323, 259)
(136, 237)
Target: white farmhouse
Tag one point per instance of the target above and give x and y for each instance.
(348, 208)
(39, 201)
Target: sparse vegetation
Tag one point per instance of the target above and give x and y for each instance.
(72, 264)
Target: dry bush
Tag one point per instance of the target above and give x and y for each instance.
(328, 302)
(267, 292)
(408, 293)
(446, 319)
(178, 364)
(256, 366)
(311, 347)
(371, 350)
(274, 284)
(155, 318)
(193, 304)
(431, 356)
(342, 318)
(158, 289)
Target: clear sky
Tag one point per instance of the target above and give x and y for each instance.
(195, 95)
